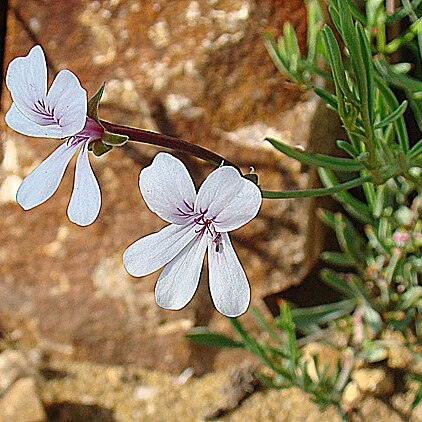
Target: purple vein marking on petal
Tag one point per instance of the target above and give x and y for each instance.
(44, 111)
(188, 206)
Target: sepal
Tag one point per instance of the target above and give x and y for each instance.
(98, 148)
(253, 177)
(94, 103)
(114, 139)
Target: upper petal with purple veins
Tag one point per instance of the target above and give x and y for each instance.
(168, 189)
(26, 79)
(58, 114)
(228, 199)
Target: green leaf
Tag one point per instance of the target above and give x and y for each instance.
(279, 60)
(338, 71)
(379, 203)
(373, 353)
(265, 325)
(416, 149)
(414, 29)
(201, 335)
(411, 86)
(369, 190)
(351, 242)
(391, 118)
(321, 160)
(349, 148)
(338, 258)
(330, 99)
(366, 87)
(372, 318)
(314, 20)
(418, 396)
(337, 281)
(352, 205)
(292, 47)
(308, 193)
(327, 217)
(348, 30)
(94, 103)
(315, 315)
(411, 297)
(114, 139)
(356, 13)
(399, 123)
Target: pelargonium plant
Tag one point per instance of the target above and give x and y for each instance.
(379, 241)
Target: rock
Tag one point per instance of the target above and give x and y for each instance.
(13, 365)
(416, 414)
(198, 70)
(378, 381)
(145, 392)
(351, 396)
(327, 356)
(8, 189)
(147, 395)
(373, 409)
(21, 403)
(399, 357)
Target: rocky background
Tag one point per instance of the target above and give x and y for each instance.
(193, 69)
(81, 340)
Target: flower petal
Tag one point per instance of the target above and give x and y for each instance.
(59, 114)
(228, 199)
(44, 180)
(68, 103)
(85, 201)
(20, 123)
(229, 286)
(151, 252)
(167, 189)
(179, 279)
(26, 79)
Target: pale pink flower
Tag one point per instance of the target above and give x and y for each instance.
(400, 238)
(199, 223)
(59, 113)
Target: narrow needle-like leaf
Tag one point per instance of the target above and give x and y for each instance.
(320, 160)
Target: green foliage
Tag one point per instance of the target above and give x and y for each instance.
(284, 356)
(378, 267)
(201, 335)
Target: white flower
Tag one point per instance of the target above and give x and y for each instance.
(225, 202)
(58, 113)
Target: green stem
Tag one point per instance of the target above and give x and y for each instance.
(316, 192)
(413, 31)
(165, 141)
(255, 348)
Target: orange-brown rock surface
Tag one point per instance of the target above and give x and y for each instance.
(193, 69)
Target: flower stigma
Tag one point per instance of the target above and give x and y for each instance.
(208, 227)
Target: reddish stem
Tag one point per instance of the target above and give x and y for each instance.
(165, 141)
